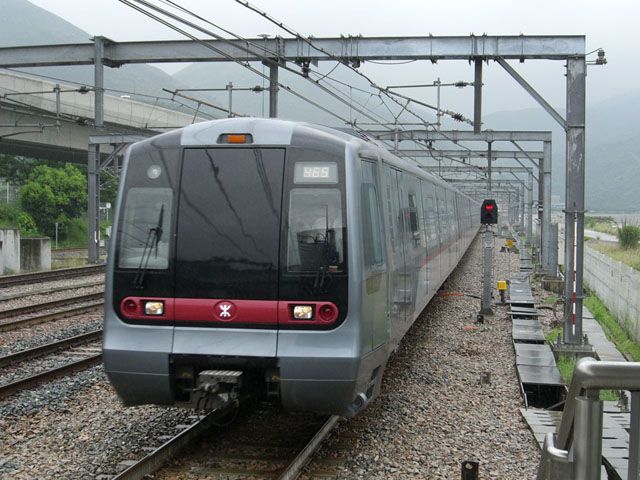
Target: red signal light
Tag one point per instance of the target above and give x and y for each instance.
(489, 207)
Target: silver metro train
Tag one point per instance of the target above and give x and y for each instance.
(279, 258)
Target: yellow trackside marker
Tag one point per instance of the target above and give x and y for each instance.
(502, 285)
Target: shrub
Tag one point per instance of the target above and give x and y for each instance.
(628, 236)
(54, 195)
(27, 225)
(11, 217)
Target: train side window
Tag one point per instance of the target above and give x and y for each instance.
(413, 213)
(371, 223)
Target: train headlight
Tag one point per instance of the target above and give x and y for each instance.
(153, 308)
(302, 312)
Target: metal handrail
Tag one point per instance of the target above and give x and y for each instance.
(578, 442)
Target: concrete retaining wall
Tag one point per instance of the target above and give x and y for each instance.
(35, 254)
(617, 285)
(10, 238)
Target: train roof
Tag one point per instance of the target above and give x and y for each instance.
(272, 131)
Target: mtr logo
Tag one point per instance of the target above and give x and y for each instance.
(224, 311)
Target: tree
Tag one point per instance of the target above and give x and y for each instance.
(53, 195)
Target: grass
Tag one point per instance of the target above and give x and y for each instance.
(551, 299)
(630, 257)
(612, 329)
(567, 363)
(601, 224)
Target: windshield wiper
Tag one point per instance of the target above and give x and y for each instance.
(328, 264)
(153, 237)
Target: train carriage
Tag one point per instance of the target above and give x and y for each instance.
(278, 257)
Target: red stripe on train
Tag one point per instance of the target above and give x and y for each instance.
(221, 311)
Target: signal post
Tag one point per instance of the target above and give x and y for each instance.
(488, 216)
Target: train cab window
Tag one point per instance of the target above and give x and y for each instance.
(316, 230)
(145, 229)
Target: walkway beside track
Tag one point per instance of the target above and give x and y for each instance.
(537, 368)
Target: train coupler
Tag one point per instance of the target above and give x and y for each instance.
(216, 388)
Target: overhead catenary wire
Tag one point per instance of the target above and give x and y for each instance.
(175, 17)
(349, 103)
(274, 54)
(310, 43)
(248, 51)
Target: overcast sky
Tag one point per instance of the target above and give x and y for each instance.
(609, 25)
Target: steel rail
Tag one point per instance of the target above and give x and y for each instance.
(42, 350)
(49, 317)
(51, 275)
(168, 450)
(292, 471)
(50, 290)
(36, 307)
(24, 383)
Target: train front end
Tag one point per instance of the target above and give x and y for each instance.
(228, 269)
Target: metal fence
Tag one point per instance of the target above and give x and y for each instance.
(575, 451)
(9, 194)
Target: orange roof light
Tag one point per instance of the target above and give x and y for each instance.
(235, 138)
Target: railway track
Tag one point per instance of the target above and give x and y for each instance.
(48, 276)
(89, 358)
(48, 291)
(52, 347)
(49, 317)
(38, 307)
(170, 449)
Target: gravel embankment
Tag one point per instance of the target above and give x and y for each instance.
(39, 286)
(433, 414)
(35, 335)
(76, 428)
(32, 299)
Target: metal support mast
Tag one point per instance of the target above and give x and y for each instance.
(547, 266)
(93, 161)
(477, 97)
(273, 89)
(574, 200)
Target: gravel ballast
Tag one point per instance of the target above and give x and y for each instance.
(432, 413)
(76, 428)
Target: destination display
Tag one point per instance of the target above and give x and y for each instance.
(316, 172)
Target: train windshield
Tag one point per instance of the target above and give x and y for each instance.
(144, 230)
(228, 233)
(315, 230)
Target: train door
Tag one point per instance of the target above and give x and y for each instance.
(375, 288)
(227, 242)
(444, 233)
(432, 232)
(415, 253)
(395, 225)
(453, 226)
